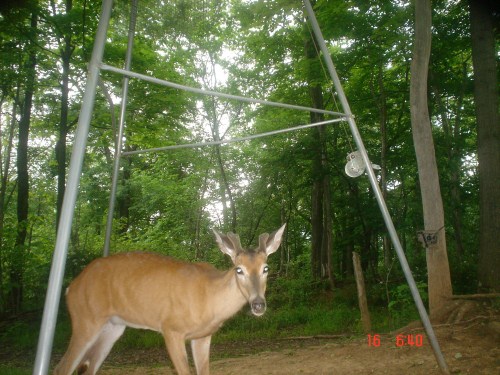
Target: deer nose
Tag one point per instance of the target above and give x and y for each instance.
(258, 306)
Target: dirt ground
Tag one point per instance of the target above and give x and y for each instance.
(471, 346)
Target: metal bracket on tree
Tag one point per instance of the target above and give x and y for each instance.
(428, 237)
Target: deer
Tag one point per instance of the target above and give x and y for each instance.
(183, 301)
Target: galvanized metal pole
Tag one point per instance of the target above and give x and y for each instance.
(119, 139)
(196, 90)
(53, 296)
(377, 191)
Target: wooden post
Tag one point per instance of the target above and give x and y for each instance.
(360, 283)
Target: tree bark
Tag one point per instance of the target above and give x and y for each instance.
(439, 281)
(214, 121)
(362, 301)
(488, 142)
(452, 139)
(380, 98)
(66, 51)
(3, 195)
(321, 241)
(225, 187)
(17, 270)
(124, 197)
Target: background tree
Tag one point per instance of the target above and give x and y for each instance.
(17, 271)
(63, 29)
(488, 139)
(321, 228)
(437, 257)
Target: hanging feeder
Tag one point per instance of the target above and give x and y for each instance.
(355, 165)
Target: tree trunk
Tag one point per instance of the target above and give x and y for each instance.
(66, 52)
(327, 245)
(362, 301)
(210, 105)
(488, 142)
(17, 270)
(452, 136)
(321, 241)
(124, 198)
(225, 188)
(439, 281)
(3, 195)
(316, 222)
(381, 99)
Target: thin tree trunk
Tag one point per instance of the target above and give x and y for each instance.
(214, 121)
(452, 132)
(362, 300)
(328, 231)
(66, 52)
(17, 270)
(320, 195)
(225, 188)
(488, 142)
(321, 241)
(381, 99)
(3, 192)
(316, 222)
(199, 216)
(124, 199)
(284, 249)
(439, 281)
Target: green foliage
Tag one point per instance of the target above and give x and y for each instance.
(8, 370)
(23, 334)
(139, 339)
(401, 306)
(306, 317)
(291, 292)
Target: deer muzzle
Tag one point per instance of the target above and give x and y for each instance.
(258, 306)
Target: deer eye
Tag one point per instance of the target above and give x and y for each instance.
(239, 271)
(266, 269)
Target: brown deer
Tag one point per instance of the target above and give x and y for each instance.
(181, 300)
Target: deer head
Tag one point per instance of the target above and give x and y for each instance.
(250, 267)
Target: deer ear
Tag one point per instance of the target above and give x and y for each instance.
(229, 244)
(269, 243)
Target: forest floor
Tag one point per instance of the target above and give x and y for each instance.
(470, 346)
(469, 340)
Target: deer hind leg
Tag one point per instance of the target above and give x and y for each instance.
(83, 337)
(97, 353)
(176, 348)
(201, 354)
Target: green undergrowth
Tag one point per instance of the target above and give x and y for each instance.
(276, 323)
(10, 370)
(294, 309)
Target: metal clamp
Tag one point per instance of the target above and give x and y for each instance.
(428, 237)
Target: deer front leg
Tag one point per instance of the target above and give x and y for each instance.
(176, 347)
(201, 354)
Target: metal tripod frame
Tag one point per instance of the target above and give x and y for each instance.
(53, 296)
